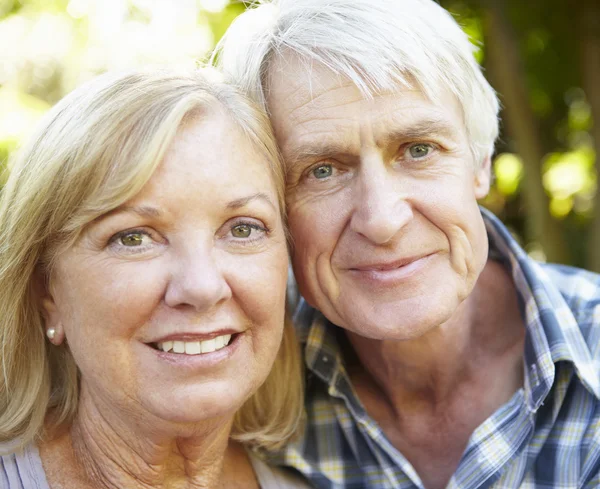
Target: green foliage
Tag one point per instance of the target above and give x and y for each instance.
(220, 21)
(48, 55)
(8, 7)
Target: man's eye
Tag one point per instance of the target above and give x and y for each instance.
(322, 171)
(420, 150)
(241, 231)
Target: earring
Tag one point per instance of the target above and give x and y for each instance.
(50, 333)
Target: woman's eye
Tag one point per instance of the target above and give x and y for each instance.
(245, 230)
(132, 239)
(420, 150)
(322, 171)
(241, 231)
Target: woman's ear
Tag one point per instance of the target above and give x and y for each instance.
(52, 322)
(52, 318)
(483, 178)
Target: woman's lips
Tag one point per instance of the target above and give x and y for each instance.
(196, 354)
(194, 347)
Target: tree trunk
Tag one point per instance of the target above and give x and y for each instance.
(590, 66)
(507, 73)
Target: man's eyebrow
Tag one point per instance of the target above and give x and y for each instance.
(423, 129)
(243, 201)
(313, 152)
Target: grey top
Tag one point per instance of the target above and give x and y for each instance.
(24, 470)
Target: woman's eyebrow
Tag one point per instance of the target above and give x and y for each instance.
(243, 201)
(141, 210)
(152, 212)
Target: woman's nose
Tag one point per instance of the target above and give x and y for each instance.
(197, 280)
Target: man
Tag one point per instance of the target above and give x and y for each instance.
(438, 354)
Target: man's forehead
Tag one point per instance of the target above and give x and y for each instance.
(299, 82)
(295, 83)
(299, 96)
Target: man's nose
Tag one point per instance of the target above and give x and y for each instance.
(197, 279)
(380, 206)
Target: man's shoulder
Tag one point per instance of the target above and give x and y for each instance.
(579, 288)
(571, 278)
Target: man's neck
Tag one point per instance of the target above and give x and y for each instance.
(429, 394)
(486, 326)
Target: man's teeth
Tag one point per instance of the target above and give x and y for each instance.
(195, 347)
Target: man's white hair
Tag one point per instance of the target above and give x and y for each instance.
(377, 44)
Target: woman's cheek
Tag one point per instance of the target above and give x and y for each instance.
(260, 285)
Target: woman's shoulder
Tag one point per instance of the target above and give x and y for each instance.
(21, 468)
(271, 477)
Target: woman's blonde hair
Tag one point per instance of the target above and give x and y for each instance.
(94, 151)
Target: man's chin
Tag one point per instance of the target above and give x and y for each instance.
(392, 331)
(403, 322)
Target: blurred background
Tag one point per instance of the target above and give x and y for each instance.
(542, 56)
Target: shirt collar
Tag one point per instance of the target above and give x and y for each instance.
(553, 334)
(322, 352)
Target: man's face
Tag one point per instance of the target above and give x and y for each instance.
(388, 238)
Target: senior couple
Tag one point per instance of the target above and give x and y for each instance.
(144, 245)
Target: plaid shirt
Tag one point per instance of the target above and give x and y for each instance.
(546, 436)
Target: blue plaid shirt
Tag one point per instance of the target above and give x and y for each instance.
(546, 436)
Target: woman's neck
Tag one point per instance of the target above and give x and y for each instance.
(102, 451)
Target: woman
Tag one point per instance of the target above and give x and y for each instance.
(142, 286)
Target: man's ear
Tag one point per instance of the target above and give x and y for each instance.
(483, 178)
(53, 326)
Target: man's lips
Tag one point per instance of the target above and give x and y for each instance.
(383, 266)
(390, 273)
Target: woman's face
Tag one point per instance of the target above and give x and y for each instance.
(173, 303)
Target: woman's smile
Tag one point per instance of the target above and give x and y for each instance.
(195, 354)
(194, 347)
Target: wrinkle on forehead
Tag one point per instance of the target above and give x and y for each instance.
(303, 83)
(288, 66)
(306, 85)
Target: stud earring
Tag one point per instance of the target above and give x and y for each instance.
(50, 333)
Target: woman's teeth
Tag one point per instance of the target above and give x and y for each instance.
(195, 347)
